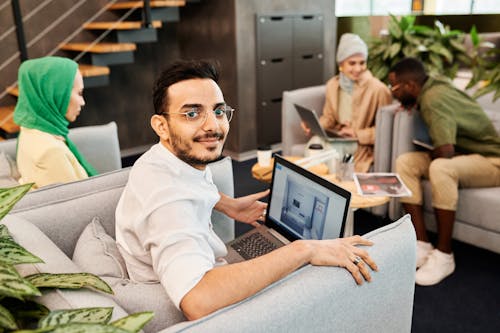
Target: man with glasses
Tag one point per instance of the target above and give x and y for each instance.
(163, 227)
(466, 154)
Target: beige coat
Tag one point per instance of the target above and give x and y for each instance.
(369, 94)
(45, 159)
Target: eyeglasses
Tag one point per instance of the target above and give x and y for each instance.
(393, 88)
(197, 116)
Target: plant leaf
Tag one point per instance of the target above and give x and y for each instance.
(13, 285)
(394, 28)
(457, 45)
(394, 50)
(10, 196)
(69, 281)
(7, 319)
(135, 322)
(88, 328)
(4, 232)
(440, 49)
(13, 253)
(474, 36)
(27, 313)
(81, 315)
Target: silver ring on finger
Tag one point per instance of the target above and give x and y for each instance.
(356, 260)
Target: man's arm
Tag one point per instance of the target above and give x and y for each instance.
(247, 209)
(225, 285)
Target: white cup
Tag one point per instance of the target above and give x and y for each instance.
(264, 154)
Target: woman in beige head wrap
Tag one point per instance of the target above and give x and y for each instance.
(353, 98)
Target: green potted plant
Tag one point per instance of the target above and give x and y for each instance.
(19, 310)
(441, 49)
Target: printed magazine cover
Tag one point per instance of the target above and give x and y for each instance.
(381, 184)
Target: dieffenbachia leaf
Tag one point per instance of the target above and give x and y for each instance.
(13, 285)
(135, 322)
(82, 315)
(13, 253)
(69, 281)
(10, 196)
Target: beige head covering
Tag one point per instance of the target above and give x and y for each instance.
(350, 44)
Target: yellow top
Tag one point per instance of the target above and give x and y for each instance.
(44, 159)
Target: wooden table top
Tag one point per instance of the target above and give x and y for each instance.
(357, 201)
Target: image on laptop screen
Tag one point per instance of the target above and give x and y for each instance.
(306, 208)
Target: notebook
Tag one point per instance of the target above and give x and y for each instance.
(310, 118)
(302, 205)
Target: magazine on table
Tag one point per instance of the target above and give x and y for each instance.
(385, 184)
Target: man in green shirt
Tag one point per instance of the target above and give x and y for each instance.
(466, 154)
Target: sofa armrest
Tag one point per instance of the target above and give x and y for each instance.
(384, 123)
(99, 144)
(222, 172)
(291, 132)
(406, 126)
(317, 299)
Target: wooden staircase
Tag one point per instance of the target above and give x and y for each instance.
(96, 57)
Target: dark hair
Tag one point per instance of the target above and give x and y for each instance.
(410, 69)
(179, 71)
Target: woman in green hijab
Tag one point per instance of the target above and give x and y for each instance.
(50, 97)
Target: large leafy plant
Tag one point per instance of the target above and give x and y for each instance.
(441, 49)
(19, 310)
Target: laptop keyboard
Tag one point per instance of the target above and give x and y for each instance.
(253, 245)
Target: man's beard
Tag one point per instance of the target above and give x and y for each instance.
(408, 101)
(183, 150)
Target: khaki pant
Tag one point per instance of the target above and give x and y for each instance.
(446, 176)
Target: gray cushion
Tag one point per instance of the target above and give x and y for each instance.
(8, 171)
(137, 297)
(96, 252)
(55, 261)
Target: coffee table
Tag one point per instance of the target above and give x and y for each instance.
(265, 173)
(357, 201)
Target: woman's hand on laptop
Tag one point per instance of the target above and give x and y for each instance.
(347, 131)
(343, 252)
(306, 129)
(247, 209)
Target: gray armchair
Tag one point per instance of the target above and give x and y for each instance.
(293, 139)
(477, 213)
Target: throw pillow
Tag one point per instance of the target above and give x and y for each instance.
(96, 252)
(8, 171)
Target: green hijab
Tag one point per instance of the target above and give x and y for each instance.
(45, 86)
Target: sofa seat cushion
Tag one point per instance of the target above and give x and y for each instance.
(55, 261)
(138, 297)
(96, 252)
(476, 206)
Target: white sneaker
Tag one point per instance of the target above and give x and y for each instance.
(424, 249)
(438, 266)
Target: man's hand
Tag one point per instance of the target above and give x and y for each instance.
(444, 151)
(342, 252)
(247, 209)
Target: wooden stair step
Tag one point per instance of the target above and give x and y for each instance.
(7, 119)
(127, 25)
(13, 91)
(86, 70)
(91, 70)
(140, 4)
(99, 47)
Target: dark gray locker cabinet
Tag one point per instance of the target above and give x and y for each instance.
(289, 56)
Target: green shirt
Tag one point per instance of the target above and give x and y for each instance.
(455, 118)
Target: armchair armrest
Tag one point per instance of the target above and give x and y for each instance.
(315, 299)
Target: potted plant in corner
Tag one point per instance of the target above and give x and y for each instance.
(19, 309)
(441, 49)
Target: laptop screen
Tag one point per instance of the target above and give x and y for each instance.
(303, 205)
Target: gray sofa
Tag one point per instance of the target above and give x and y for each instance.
(478, 209)
(99, 144)
(50, 222)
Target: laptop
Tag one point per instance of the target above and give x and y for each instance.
(302, 205)
(311, 119)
